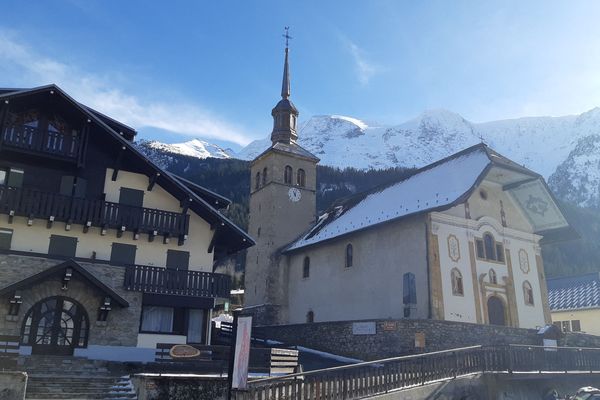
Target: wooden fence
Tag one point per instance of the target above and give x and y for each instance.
(366, 379)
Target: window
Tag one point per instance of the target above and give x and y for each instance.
(287, 175)
(566, 326)
(499, 252)
(409, 289)
(493, 277)
(457, 283)
(157, 319)
(5, 238)
(576, 325)
(349, 255)
(257, 181)
(131, 197)
(15, 177)
(480, 250)
(72, 186)
(310, 317)
(178, 259)
(264, 176)
(306, 267)
(301, 178)
(195, 326)
(490, 246)
(63, 246)
(3, 176)
(528, 293)
(123, 254)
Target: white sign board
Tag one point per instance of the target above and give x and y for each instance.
(239, 378)
(364, 328)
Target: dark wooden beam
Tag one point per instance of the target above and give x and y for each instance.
(118, 162)
(152, 181)
(185, 205)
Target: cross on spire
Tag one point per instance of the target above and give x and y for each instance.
(287, 36)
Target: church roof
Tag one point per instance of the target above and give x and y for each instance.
(574, 292)
(290, 148)
(440, 186)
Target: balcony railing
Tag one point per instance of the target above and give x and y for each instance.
(43, 141)
(161, 280)
(31, 203)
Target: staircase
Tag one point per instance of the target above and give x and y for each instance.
(70, 378)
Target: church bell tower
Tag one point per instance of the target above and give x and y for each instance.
(282, 207)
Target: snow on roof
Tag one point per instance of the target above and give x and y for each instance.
(437, 185)
(574, 292)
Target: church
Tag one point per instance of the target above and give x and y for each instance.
(458, 240)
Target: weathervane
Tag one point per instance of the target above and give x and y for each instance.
(287, 36)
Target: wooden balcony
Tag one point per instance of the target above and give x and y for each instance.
(161, 280)
(45, 142)
(55, 207)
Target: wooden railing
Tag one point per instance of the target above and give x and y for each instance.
(377, 377)
(161, 280)
(36, 140)
(52, 206)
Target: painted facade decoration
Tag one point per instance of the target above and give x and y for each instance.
(102, 253)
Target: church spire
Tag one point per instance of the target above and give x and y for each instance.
(285, 114)
(285, 85)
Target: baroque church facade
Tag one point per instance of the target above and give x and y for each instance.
(458, 240)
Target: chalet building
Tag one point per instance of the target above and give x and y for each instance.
(575, 303)
(102, 253)
(459, 240)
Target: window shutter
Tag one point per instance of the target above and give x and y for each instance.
(131, 197)
(66, 185)
(62, 246)
(122, 254)
(5, 238)
(15, 178)
(80, 187)
(178, 259)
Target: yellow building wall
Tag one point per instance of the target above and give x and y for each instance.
(589, 319)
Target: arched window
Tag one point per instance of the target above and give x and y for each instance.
(349, 255)
(310, 317)
(301, 178)
(306, 267)
(287, 175)
(457, 283)
(528, 293)
(409, 288)
(490, 246)
(493, 277)
(264, 177)
(257, 181)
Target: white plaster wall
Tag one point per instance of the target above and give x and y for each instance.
(372, 287)
(36, 238)
(456, 308)
(149, 340)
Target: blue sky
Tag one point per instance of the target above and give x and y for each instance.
(212, 69)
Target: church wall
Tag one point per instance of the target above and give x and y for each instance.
(372, 287)
(36, 238)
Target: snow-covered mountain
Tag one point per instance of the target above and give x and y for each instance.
(565, 150)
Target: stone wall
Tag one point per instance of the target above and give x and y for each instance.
(122, 325)
(397, 337)
(12, 385)
(173, 387)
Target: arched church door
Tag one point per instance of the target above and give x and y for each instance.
(496, 311)
(55, 325)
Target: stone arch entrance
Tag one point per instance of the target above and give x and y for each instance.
(55, 325)
(496, 311)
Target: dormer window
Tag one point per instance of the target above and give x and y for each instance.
(301, 178)
(287, 175)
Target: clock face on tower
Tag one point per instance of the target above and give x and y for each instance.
(294, 194)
